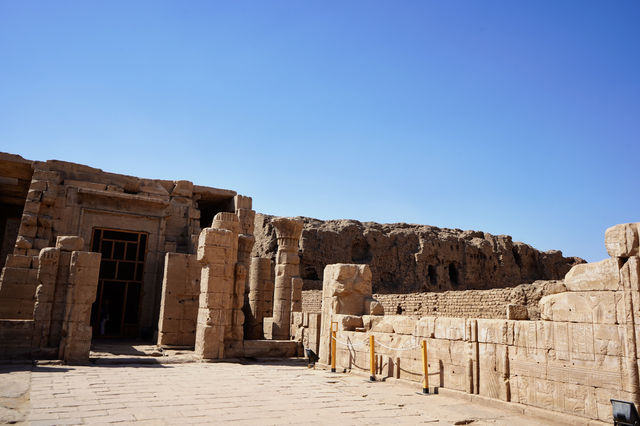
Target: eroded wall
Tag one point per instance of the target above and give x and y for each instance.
(408, 258)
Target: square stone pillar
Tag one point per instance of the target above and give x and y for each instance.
(81, 293)
(218, 254)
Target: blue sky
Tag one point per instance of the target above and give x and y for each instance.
(519, 118)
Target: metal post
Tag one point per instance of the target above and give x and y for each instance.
(333, 346)
(425, 368)
(372, 358)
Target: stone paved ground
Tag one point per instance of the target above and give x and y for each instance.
(279, 392)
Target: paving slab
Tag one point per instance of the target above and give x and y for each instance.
(240, 392)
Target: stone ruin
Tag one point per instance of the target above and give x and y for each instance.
(582, 352)
(86, 254)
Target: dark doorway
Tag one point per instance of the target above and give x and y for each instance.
(116, 311)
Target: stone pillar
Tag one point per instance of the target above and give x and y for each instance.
(81, 293)
(346, 290)
(296, 294)
(47, 279)
(179, 303)
(241, 293)
(259, 278)
(288, 233)
(218, 254)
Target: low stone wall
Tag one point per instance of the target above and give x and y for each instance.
(460, 304)
(582, 352)
(559, 366)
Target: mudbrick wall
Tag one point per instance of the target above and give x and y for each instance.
(415, 258)
(460, 304)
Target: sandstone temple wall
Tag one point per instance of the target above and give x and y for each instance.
(414, 258)
(42, 200)
(582, 352)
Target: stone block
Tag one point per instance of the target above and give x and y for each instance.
(373, 307)
(16, 276)
(379, 324)
(594, 276)
(622, 240)
(267, 327)
(209, 342)
(32, 207)
(219, 300)
(450, 328)
(69, 243)
(314, 320)
(517, 312)
(425, 327)
(297, 319)
(583, 307)
(544, 335)
(348, 322)
(492, 331)
(182, 188)
(18, 290)
(17, 261)
(608, 339)
(403, 324)
(630, 274)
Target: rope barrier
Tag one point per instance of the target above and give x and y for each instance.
(415, 344)
(365, 343)
(349, 343)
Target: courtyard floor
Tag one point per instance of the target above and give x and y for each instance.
(261, 392)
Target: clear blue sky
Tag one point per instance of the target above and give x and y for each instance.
(511, 117)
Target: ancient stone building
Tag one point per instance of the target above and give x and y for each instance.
(131, 222)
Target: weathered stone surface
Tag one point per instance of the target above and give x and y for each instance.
(594, 276)
(180, 298)
(409, 258)
(346, 291)
(69, 243)
(287, 267)
(622, 240)
(584, 307)
(630, 274)
(517, 312)
(348, 322)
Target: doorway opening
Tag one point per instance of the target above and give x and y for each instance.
(116, 311)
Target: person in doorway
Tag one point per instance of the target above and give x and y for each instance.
(104, 317)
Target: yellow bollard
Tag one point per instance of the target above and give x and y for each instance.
(425, 368)
(333, 346)
(372, 358)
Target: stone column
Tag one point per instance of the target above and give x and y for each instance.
(81, 293)
(259, 278)
(296, 294)
(47, 278)
(218, 253)
(288, 233)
